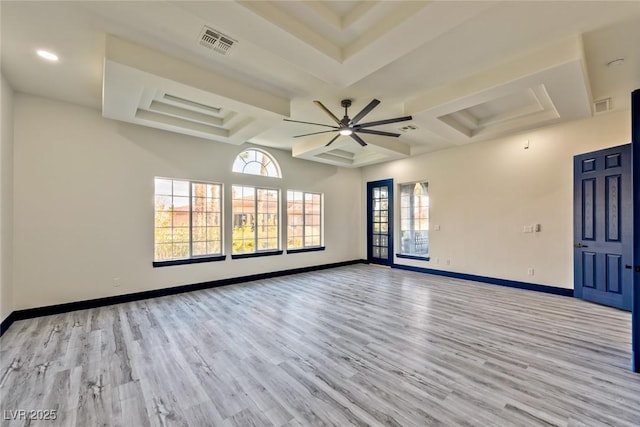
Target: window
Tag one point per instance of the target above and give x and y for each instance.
(188, 221)
(414, 220)
(304, 220)
(255, 220)
(256, 162)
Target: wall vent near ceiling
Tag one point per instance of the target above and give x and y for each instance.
(215, 40)
(602, 106)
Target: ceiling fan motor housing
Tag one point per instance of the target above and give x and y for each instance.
(350, 127)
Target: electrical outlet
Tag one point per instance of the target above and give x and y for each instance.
(448, 262)
(530, 271)
(116, 282)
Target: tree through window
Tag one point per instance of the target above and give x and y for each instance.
(188, 219)
(255, 219)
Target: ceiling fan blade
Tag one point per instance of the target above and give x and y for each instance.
(377, 132)
(326, 110)
(383, 122)
(310, 123)
(333, 139)
(366, 110)
(358, 139)
(314, 133)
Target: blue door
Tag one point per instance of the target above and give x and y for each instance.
(603, 227)
(380, 222)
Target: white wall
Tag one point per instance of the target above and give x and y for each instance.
(84, 204)
(6, 198)
(483, 194)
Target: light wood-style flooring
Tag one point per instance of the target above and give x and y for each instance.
(357, 345)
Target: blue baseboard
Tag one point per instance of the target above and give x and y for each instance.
(490, 280)
(117, 299)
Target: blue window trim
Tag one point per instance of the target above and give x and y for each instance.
(420, 258)
(189, 261)
(301, 250)
(256, 254)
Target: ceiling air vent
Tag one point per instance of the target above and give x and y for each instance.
(408, 128)
(602, 106)
(217, 41)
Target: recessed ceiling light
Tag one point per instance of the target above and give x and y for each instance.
(615, 62)
(47, 55)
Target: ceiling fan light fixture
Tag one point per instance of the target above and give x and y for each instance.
(352, 127)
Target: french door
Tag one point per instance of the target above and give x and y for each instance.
(380, 222)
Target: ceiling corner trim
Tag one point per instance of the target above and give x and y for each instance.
(163, 66)
(271, 13)
(147, 88)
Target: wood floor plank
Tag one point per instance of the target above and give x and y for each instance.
(355, 345)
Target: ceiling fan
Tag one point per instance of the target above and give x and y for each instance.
(352, 127)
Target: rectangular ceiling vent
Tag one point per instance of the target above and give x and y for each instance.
(602, 106)
(217, 41)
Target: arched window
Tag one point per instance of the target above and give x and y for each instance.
(256, 162)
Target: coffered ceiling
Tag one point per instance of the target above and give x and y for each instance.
(231, 71)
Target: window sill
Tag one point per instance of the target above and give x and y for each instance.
(188, 261)
(420, 258)
(256, 254)
(302, 250)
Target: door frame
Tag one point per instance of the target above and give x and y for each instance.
(635, 281)
(388, 182)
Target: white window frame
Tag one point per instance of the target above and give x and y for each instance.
(190, 258)
(240, 164)
(304, 221)
(411, 240)
(256, 240)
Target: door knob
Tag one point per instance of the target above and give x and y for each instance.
(580, 245)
